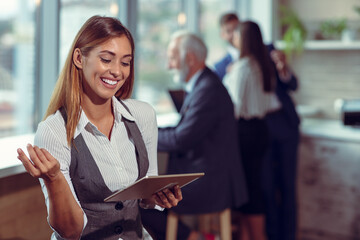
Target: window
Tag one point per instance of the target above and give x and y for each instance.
(74, 13)
(17, 73)
(157, 20)
(210, 12)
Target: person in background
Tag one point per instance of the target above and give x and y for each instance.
(204, 140)
(280, 164)
(251, 84)
(96, 140)
(228, 23)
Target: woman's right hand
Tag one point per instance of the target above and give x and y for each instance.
(42, 164)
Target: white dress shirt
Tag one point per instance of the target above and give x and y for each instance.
(245, 86)
(191, 83)
(116, 157)
(234, 52)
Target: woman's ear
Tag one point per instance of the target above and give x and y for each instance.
(77, 58)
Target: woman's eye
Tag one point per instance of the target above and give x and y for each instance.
(105, 60)
(125, 64)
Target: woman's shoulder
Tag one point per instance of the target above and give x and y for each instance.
(53, 127)
(246, 61)
(143, 113)
(249, 63)
(55, 120)
(242, 63)
(139, 108)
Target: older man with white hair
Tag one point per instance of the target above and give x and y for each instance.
(204, 140)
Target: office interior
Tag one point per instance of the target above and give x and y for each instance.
(35, 36)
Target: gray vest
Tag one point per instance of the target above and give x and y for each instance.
(109, 221)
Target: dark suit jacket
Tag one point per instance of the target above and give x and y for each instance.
(282, 92)
(205, 140)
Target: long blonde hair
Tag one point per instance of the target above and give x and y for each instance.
(68, 89)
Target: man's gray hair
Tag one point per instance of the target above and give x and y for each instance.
(190, 42)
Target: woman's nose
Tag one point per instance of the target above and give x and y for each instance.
(116, 71)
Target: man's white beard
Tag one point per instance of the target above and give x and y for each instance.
(179, 75)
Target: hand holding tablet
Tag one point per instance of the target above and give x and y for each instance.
(148, 185)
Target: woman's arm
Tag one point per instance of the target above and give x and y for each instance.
(51, 166)
(65, 215)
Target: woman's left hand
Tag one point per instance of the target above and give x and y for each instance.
(167, 198)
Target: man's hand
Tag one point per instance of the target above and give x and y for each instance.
(279, 58)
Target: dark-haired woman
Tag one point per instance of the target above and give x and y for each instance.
(251, 84)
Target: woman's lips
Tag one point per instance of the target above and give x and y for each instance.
(109, 83)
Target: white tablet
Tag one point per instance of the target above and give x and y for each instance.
(148, 185)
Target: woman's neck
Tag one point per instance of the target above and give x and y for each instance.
(100, 114)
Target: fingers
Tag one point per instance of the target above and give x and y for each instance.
(50, 159)
(39, 162)
(45, 157)
(178, 193)
(30, 168)
(48, 155)
(167, 198)
(53, 165)
(278, 56)
(158, 200)
(42, 163)
(163, 198)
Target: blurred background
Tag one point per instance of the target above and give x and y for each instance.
(35, 37)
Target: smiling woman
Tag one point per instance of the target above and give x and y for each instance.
(91, 110)
(105, 68)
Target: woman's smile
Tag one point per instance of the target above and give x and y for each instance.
(110, 83)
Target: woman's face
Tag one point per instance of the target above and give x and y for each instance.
(106, 68)
(237, 40)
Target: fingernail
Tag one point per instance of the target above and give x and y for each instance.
(19, 151)
(28, 145)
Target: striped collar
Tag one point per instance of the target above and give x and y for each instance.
(119, 112)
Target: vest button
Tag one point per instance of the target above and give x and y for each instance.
(118, 229)
(119, 206)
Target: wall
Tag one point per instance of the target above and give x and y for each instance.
(22, 209)
(328, 189)
(324, 9)
(325, 75)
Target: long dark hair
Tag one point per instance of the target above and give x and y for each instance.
(252, 46)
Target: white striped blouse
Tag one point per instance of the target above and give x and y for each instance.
(115, 157)
(245, 86)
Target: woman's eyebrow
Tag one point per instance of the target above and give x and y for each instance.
(109, 52)
(113, 54)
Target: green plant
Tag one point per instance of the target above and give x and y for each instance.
(357, 9)
(333, 28)
(295, 32)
